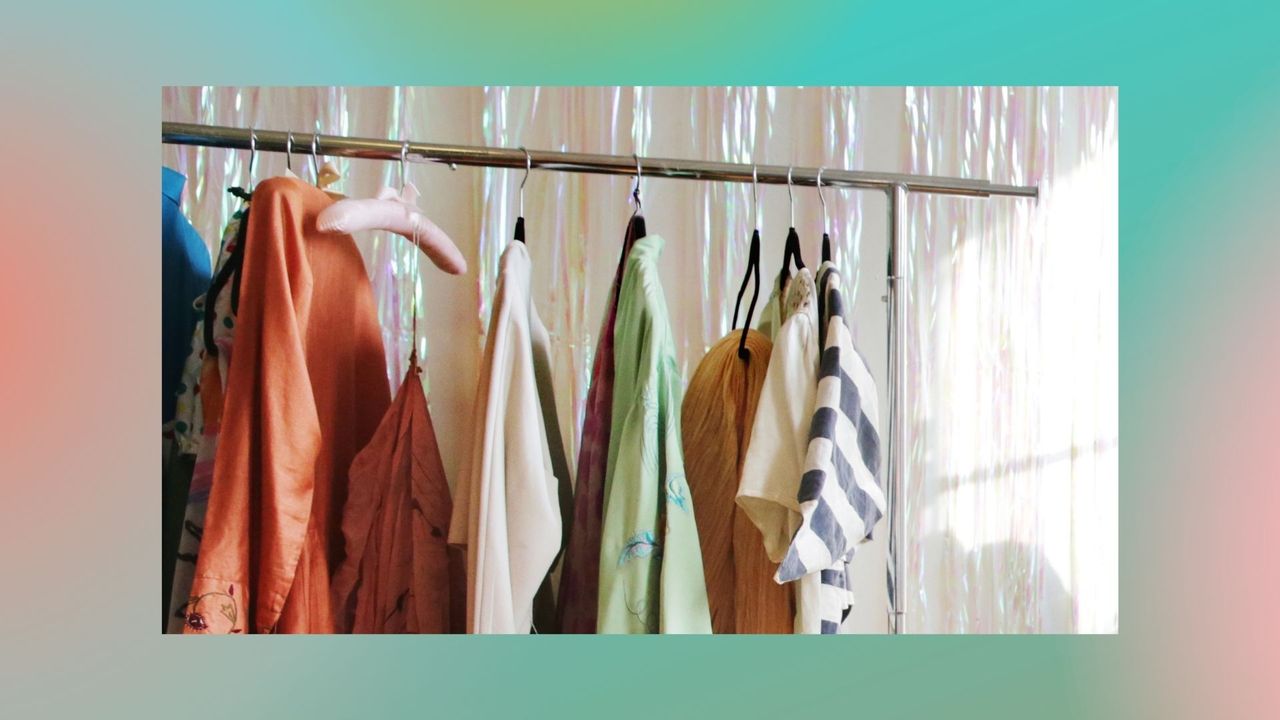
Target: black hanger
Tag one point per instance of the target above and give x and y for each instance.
(635, 227)
(753, 269)
(229, 273)
(528, 165)
(826, 239)
(790, 251)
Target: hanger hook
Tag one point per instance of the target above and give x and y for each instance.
(253, 154)
(755, 194)
(791, 200)
(404, 152)
(529, 165)
(822, 199)
(288, 151)
(635, 193)
(315, 164)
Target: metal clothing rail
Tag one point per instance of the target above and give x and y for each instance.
(896, 186)
(374, 149)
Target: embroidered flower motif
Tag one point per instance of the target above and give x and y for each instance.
(675, 491)
(640, 545)
(640, 612)
(200, 615)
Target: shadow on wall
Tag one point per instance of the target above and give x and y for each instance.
(1002, 587)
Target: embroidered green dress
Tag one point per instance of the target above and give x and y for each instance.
(650, 564)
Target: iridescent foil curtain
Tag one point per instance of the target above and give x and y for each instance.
(574, 226)
(1011, 471)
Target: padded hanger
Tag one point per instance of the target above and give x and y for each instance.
(397, 213)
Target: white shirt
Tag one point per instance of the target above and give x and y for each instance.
(506, 507)
(774, 462)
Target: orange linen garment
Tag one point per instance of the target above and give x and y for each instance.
(397, 574)
(716, 418)
(304, 395)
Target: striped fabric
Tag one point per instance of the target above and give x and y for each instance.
(840, 499)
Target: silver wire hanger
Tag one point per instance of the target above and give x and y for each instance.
(315, 165)
(791, 251)
(404, 153)
(753, 268)
(635, 226)
(413, 292)
(253, 155)
(791, 199)
(635, 193)
(288, 151)
(826, 237)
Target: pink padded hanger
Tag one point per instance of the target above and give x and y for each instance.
(397, 213)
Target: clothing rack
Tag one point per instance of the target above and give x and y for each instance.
(896, 186)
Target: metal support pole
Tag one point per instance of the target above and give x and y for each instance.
(897, 196)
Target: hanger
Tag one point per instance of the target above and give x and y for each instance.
(395, 212)
(753, 267)
(324, 175)
(528, 165)
(635, 227)
(230, 269)
(244, 193)
(328, 174)
(417, 273)
(315, 166)
(790, 251)
(826, 238)
(288, 156)
(253, 155)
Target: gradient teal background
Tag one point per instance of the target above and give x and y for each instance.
(1200, 344)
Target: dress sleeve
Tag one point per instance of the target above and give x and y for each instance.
(264, 474)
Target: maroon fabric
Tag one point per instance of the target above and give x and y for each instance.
(580, 576)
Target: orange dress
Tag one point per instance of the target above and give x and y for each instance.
(716, 420)
(306, 391)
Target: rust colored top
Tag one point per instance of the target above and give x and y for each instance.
(400, 575)
(306, 391)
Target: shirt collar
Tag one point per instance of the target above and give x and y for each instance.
(171, 183)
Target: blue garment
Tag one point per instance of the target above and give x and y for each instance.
(185, 274)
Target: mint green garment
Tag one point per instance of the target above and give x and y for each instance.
(650, 563)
